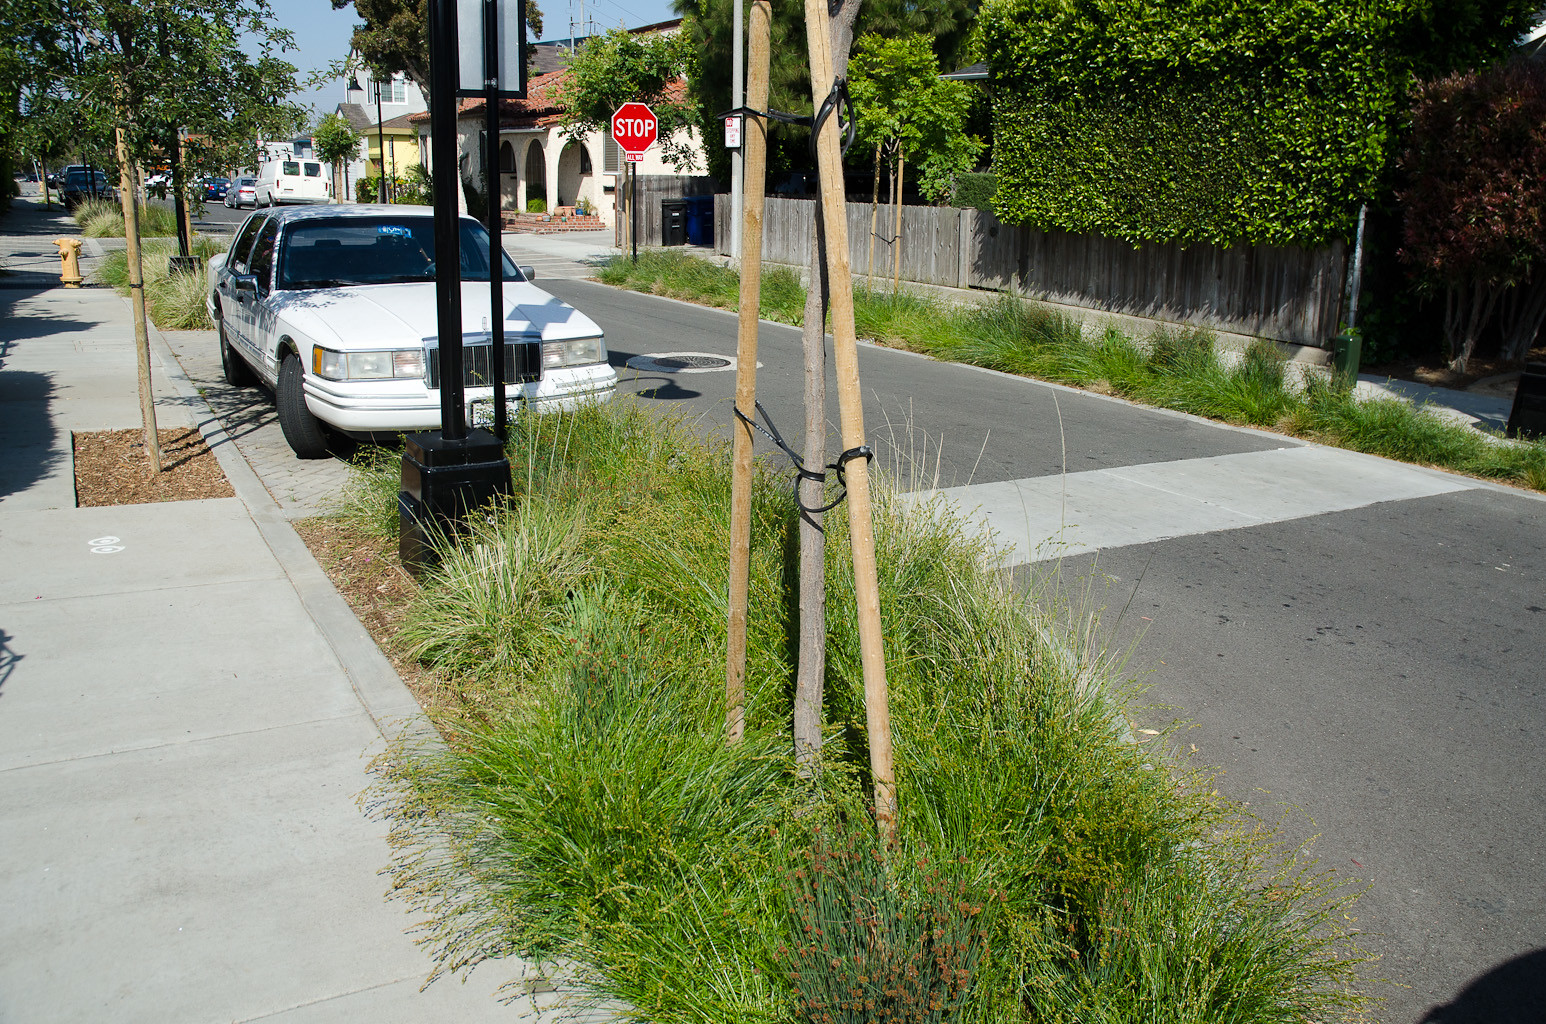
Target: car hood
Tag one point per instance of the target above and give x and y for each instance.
(403, 315)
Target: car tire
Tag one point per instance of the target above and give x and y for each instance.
(302, 430)
(234, 368)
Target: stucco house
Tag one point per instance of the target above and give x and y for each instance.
(400, 100)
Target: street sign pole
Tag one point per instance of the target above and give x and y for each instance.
(496, 248)
(448, 263)
(450, 473)
(634, 128)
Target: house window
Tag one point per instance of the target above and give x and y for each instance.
(611, 156)
(585, 167)
(395, 91)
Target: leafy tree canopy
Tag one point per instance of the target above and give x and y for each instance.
(159, 68)
(901, 102)
(621, 66)
(335, 139)
(710, 26)
(1474, 206)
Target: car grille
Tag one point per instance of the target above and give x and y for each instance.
(477, 360)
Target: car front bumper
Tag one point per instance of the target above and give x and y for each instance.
(396, 406)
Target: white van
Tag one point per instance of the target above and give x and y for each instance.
(292, 181)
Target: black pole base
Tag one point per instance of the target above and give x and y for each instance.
(442, 482)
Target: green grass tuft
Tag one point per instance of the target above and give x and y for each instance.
(103, 218)
(174, 301)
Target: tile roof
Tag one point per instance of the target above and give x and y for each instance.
(540, 108)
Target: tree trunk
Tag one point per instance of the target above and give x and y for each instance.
(810, 678)
(128, 198)
(869, 281)
(1523, 311)
(179, 201)
(896, 242)
(811, 673)
(1468, 310)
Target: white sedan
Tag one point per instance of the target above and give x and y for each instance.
(333, 307)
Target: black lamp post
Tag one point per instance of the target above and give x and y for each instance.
(455, 471)
(386, 192)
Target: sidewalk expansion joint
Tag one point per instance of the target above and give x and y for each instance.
(189, 742)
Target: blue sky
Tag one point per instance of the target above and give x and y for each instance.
(322, 34)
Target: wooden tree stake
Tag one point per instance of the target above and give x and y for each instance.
(861, 528)
(754, 161)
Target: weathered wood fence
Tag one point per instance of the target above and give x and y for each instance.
(652, 189)
(1288, 294)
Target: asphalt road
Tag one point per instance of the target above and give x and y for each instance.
(1366, 671)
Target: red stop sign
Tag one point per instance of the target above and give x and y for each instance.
(633, 127)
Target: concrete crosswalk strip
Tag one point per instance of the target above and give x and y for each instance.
(1047, 517)
(573, 255)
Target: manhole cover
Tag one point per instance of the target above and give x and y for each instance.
(681, 362)
(692, 362)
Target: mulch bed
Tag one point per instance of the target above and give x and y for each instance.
(367, 573)
(112, 468)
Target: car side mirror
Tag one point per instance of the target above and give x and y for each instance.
(530, 273)
(245, 284)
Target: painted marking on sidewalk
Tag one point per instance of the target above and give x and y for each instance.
(1048, 517)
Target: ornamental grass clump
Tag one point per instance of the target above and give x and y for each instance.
(174, 300)
(868, 946)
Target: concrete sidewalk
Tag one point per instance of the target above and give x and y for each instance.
(187, 710)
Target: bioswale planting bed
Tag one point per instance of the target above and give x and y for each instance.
(584, 809)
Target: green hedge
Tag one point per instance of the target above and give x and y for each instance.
(1255, 121)
(973, 190)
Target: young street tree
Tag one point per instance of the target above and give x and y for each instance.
(335, 141)
(907, 112)
(144, 73)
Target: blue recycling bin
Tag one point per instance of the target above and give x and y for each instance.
(700, 220)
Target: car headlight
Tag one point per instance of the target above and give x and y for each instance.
(576, 352)
(380, 364)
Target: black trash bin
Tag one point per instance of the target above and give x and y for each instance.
(700, 220)
(1527, 418)
(673, 222)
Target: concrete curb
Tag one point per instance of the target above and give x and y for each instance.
(381, 692)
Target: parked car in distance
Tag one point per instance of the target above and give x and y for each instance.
(56, 178)
(333, 308)
(241, 193)
(287, 182)
(79, 185)
(215, 188)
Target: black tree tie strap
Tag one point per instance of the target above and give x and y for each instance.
(801, 472)
(840, 102)
(837, 100)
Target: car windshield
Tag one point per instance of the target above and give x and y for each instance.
(346, 251)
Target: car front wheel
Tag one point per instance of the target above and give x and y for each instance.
(236, 372)
(301, 429)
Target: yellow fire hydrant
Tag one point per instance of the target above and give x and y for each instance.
(69, 261)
